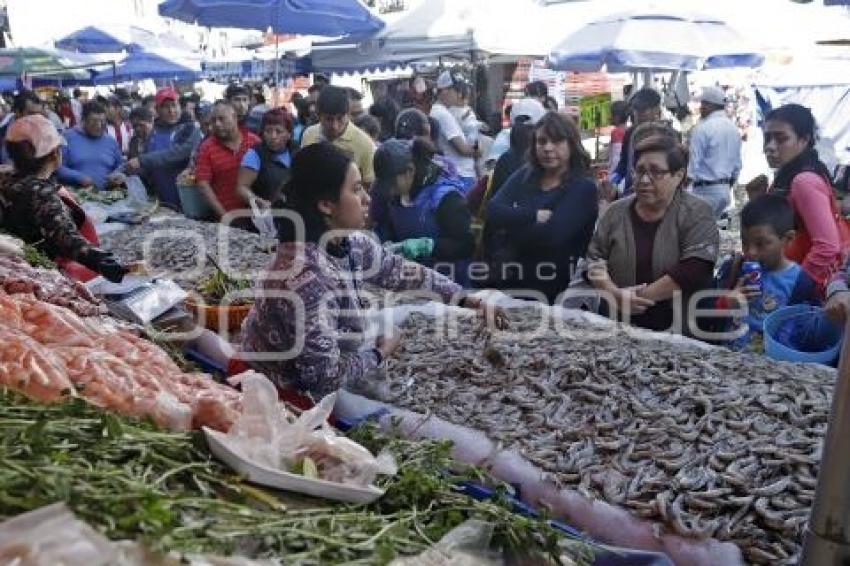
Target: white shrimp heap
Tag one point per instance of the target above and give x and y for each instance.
(705, 443)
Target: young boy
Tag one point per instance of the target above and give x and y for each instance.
(767, 225)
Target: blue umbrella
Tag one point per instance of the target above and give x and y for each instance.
(140, 65)
(108, 39)
(308, 17)
(649, 40)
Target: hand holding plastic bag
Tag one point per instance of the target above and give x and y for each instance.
(263, 219)
(136, 191)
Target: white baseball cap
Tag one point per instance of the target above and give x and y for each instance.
(712, 95)
(37, 130)
(530, 107)
(448, 79)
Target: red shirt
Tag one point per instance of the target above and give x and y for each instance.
(618, 134)
(218, 165)
(244, 129)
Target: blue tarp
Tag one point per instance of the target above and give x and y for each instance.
(96, 39)
(255, 68)
(306, 17)
(142, 65)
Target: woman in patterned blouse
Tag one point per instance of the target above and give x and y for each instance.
(306, 330)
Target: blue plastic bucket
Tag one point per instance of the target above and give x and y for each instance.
(193, 203)
(830, 336)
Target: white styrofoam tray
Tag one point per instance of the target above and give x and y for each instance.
(263, 475)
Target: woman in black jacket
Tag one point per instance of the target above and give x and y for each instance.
(266, 168)
(543, 215)
(426, 217)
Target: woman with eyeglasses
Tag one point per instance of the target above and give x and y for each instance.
(790, 134)
(658, 246)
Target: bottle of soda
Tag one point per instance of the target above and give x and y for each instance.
(751, 271)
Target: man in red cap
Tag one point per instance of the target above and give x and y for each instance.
(168, 148)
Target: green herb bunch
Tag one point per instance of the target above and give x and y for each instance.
(133, 481)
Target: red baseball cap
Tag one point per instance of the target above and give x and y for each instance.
(164, 94)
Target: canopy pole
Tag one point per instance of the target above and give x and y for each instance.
(473, 96)
(827, 538)
(114, 75)
(276, 70)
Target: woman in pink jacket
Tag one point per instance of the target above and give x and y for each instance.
(821, 233)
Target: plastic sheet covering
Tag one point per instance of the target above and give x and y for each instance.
(467, 544)
(602, 521)
(53, 535)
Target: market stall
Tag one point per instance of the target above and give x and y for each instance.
(95, 415)
(437, 30)
(641, 439)
(161, 65)
(638, 439)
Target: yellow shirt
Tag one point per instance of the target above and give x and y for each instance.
(353, 141)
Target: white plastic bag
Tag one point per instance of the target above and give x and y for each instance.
(337, 458)
(468, 544)
(268, 434)
(171, 413)
(263, 220)
(53, 535)
(136, 192)
(9, 245)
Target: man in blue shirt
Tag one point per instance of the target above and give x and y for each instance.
(92, 158)
(715, 152)
(168, 148)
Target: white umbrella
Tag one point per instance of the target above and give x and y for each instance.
(654, 39)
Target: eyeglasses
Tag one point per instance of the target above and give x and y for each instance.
(654, 174)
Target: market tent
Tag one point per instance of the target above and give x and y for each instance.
(653, 39)
(140, 65)
(319, 17)
(247, 64)
(41, 62)
(109, 39)
(823, 85)
(433, 29)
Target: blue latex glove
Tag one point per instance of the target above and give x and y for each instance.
(415, 248)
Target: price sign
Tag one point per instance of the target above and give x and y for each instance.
(594, 111)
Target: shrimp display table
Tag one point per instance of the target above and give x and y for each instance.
(642, 439)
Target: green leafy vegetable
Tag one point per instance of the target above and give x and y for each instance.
(218, 285)
(132, 481)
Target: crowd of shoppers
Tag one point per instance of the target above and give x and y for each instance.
(526, 209)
